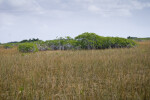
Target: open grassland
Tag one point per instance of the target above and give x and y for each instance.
(111, 74)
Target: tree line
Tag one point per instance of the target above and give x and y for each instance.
(86, 41)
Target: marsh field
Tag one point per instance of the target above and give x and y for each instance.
(109, 74)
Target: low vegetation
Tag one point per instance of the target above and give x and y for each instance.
(138, 39)
(28, 47)
(85, 41)
(7, 46)
(110, 74)
(94, 41)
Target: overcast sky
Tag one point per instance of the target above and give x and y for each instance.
(47, 19)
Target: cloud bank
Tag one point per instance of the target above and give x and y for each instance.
(23, 17)
(101, 7)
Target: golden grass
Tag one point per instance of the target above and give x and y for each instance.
(111, 74)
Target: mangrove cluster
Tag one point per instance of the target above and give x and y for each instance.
(86, 41)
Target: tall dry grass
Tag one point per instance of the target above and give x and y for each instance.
(111, 74)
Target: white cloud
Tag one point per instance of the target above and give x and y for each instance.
(6, 20)
(20, 6)
(101, 7)
(105, 7)
(139, 5)
(117, 7)
(93, 8)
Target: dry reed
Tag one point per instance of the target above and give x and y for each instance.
(111, 74)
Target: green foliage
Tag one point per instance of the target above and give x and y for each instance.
(116, 42)
(7, 46)
(138, 39)
(62, 43)
(27, 47)
(83, 41)
(41, 45)
(30, 40)
(89, 40)
(93, 41)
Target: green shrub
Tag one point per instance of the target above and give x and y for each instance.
(132, 43)
(89, 40)
(83, 41)
(7, 46)
(94, 41)
(28, 47)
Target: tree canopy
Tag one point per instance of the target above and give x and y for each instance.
(85, 41)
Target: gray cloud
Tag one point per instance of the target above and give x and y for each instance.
(101, 7)
(48, 17)
(20, 6)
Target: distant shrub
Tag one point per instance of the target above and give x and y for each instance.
(42, 46)
(7, 46)
(132, 43)
(28, 47)
(94, 41)
(83, 41)
(66, 43)
(89, 41)
(121, 43)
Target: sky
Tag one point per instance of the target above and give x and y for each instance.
(48, 19)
